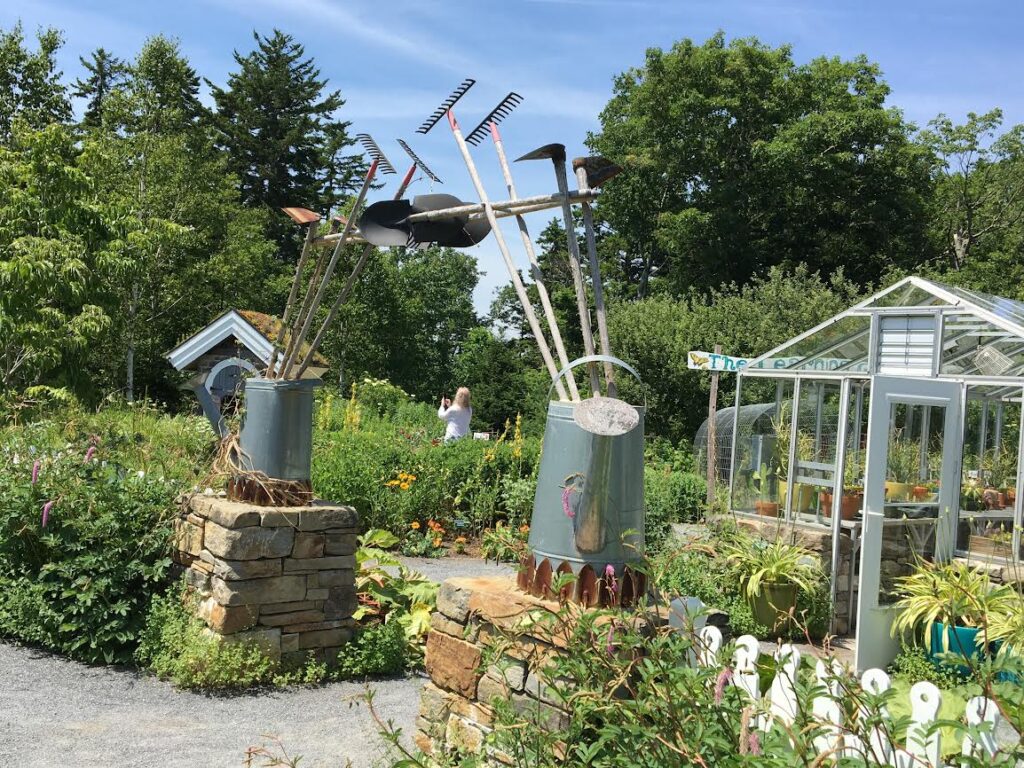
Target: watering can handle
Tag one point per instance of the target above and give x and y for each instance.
(597, 359)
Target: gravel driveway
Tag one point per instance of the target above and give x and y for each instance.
(55, 712)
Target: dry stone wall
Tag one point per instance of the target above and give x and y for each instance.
(282, 577)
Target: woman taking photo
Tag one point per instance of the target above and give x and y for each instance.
(456, 416)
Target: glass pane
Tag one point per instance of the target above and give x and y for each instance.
(975, 347)
(843, 345)
(762, 449)
(816, 449)
(908, 296)
(1008, 309)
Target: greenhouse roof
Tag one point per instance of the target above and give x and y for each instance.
(976, 334)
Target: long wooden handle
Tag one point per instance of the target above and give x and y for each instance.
(545, 300)
(506, 256)
(296, 282)
(595, 278)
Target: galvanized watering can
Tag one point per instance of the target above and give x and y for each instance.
(588, 514)
(276, 442)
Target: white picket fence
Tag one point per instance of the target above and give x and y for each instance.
(923, 747)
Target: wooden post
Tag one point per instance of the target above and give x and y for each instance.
(712, 430)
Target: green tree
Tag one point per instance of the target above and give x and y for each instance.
(276, 122)
(979, 194)
(54, 256)
(493, 370)
(30, 86)
(105, 71)
(739, 159)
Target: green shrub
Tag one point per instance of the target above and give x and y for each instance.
(81, 585)
(504, 543)
(670, 497)
(913, 665)
(379, 650)
(175, 647)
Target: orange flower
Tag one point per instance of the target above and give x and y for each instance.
(524, 529)
(437, 542)
(414, 525)
(461, 540)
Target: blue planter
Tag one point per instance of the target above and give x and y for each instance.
(960, 641)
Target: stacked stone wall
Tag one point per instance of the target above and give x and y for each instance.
(282, 577)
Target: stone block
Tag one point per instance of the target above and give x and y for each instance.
(198, 580)
(463, 736)
(453, 601)
(452, 664)
(202, 566)
(228, 514)
(489, 689)
(308, 545)
(435, 704)
(267, 640)
(300, 605)
(324, 637)
(239, 570)
(188, 537)
(286, 619)
(340, 544)
(544, 715)
(424, 743)
(276, 589)
(316, 626)
(279, 518)
(289, 643)
(324, 517)
(252, 543)
(550, 691)
(442, 623)
(345, 577)
(296, 565)
(509, 671)
(227, 619)
(320, 593)
(341, 602)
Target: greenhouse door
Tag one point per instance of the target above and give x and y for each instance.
(911, 490)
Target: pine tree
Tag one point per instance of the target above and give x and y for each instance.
(277, 124)
(105, 72)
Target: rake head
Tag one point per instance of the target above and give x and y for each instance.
(496, 115)
(371, 148)
(419, 163)
(447, 104)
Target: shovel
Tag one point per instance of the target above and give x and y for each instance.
(386, 223)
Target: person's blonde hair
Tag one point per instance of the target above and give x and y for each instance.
(462, 397)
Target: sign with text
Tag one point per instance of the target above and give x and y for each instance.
(709, 361)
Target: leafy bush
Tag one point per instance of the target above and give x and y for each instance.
(378, 650)
(505, 543)
(913, 665)
(175, 646)
(80, 580)
(670, 497)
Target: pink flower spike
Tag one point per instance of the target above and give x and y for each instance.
(754, 741)
(89, 453)
(566, 496)
(723, 679)
(35, 472)
(608, 647)
(46, 512)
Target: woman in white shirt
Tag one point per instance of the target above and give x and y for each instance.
(457, 416)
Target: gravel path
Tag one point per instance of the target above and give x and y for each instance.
(58, 712)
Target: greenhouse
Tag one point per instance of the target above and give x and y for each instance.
(889, 432)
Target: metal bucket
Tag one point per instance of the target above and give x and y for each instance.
(277, 429)
(590, 493)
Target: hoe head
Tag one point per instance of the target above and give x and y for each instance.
(599, 169)
(554, 152)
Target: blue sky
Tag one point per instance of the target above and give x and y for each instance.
(394, 60)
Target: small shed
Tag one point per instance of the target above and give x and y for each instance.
(895, 435)
(237, 344)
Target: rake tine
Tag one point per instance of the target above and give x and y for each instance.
(496, 115)
(376, 153)
(419, 163)
(447, 104)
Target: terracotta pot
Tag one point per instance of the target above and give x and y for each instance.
(920, 493)
(766, 508)
(849, 507)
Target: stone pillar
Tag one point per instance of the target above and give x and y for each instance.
(283, 577)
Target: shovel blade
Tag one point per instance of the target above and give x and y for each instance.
(384, 223)
(554, 152)
(456, 232)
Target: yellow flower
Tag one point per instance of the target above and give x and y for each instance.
(414, 525)
(461, 540)
(437, 542)
(404, 486)
(410, 478)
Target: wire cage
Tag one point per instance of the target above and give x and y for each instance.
(754, 419)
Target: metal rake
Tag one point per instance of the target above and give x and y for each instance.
(374, 151)
(447, 104)
(496, 115)
(419, 163)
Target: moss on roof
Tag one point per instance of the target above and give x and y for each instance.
(270, 326)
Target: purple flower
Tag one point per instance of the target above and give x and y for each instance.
(35, 472)
(566, 496)
(89, 453)
(754, 743)
(609, 578)
(46, 512)
(723, 679)
(608, 647)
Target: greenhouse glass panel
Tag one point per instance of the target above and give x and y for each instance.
(972, 346)
(907, 296)
(762, 449)
(1007, 309)
(841, 346)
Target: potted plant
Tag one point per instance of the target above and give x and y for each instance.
(950, 604)
(853, 495)
(972, 495)
(770, 575)
(804, 498)
(764, 505)
(904, 469)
